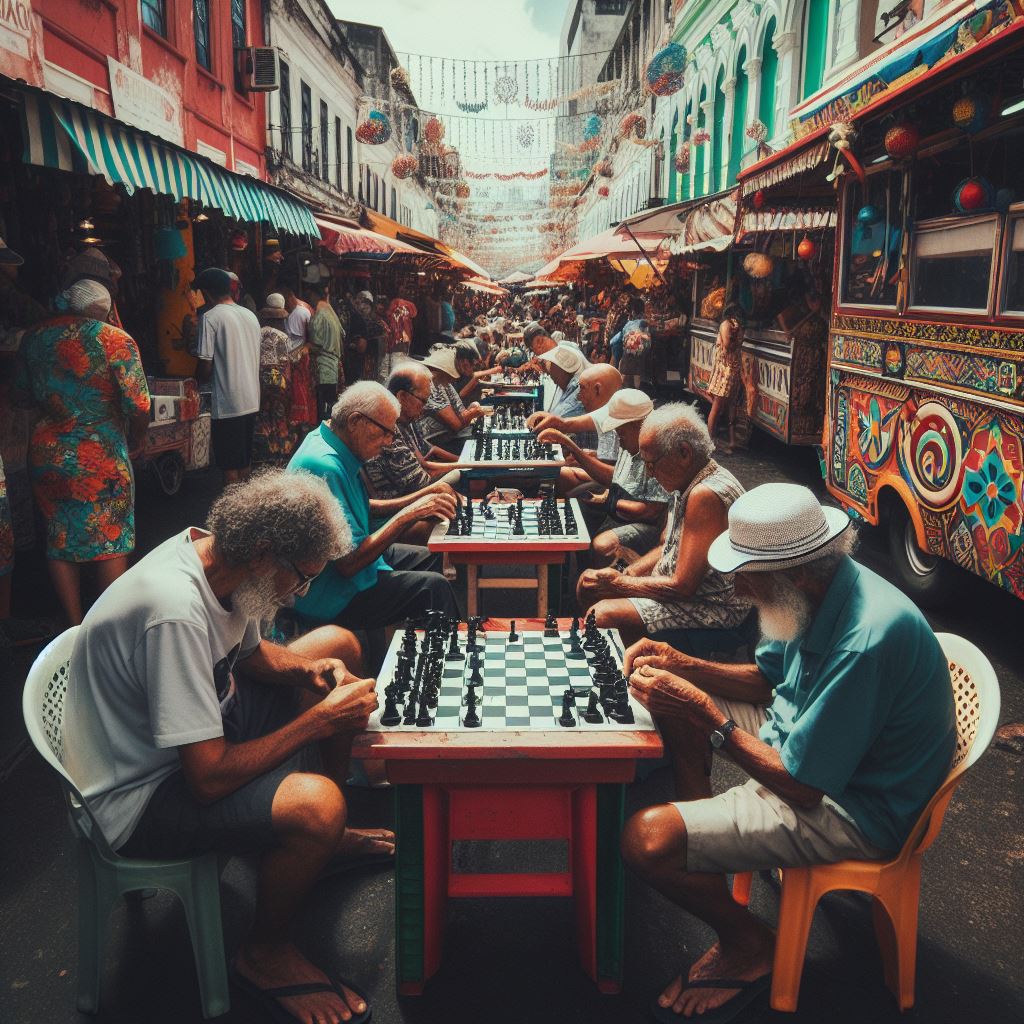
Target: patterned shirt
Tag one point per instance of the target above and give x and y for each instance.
(397, 471)
(631, 477)
(441, 397)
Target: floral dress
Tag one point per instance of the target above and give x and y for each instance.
(725, 368)
(87, 378)
(272, 438)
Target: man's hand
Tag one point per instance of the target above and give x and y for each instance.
(324, 674)
(348, 708)
(655, 654)
(475, 410)
(489, 372)
(540, 420)
(441, 488)
(552, 436)
(667, 695)
(599, 583)
(432, 506)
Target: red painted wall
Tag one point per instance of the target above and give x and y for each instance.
(77, 36)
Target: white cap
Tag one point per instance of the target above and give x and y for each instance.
(627, 405)
(443, 359)
(566, 357)
(275, 300)
(775, 526)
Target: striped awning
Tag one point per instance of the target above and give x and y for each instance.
(347, 239)
(69, 137)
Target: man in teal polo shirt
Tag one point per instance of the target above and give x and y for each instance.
(379, 582)
(845, 723)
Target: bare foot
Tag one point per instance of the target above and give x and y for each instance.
(278, 966)
(361, 842)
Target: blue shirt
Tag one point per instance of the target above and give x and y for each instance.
(447, 318)
(325, 455)
(569, 405)
(863, 706)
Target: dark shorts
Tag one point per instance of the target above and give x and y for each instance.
(174, 824)
(326, 396)
(232, 441)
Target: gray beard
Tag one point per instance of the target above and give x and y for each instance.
(786, 615)
(257, 598)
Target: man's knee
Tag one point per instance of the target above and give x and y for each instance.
(653, 839)
(440, 595)
(606, 545)
(311, 805)
(604, 615)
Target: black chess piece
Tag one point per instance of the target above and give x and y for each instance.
(592, 714)
(571, 526)
(575, 651)
(622, 710)
(471, 719)
(423, 719)
(390, 716)
(454, 654)
(566, 719)
(513, 636)
(550, 625)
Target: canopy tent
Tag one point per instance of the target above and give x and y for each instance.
(517, 277)
(69, 137)
(347, 239)
(480, 284)
(607, 244)
(707, 224)
(417, 239)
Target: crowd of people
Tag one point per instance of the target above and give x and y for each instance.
(224, 676)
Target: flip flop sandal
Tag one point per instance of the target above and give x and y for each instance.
(728, 1011)
(269, 997)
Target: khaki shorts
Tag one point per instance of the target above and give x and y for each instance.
(750, 828)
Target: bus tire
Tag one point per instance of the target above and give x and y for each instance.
(925, 577)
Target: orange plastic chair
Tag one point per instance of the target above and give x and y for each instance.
(894, 885)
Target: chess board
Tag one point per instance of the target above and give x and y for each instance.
(496, 534)
(523, 686)
(515, 447)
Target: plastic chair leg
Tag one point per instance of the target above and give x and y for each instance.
(96, 895)
(201, 899)
(895, 911)
(796, 911)
(741, 883)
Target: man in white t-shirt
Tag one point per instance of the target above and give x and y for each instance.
(229, 351)
(299, 315)
(188, 733)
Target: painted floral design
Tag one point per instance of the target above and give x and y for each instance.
(990, 488)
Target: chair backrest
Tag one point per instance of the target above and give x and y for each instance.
(42, 705)
(977, 700)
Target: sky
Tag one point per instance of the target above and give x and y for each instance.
(513, 29)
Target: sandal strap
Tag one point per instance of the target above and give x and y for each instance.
(306, 989)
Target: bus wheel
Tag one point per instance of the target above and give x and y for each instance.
(928, 579)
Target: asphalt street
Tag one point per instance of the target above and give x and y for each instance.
(514, 960)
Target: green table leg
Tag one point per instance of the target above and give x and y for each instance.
(611, 885)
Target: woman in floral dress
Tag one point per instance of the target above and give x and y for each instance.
(725, 371)
(86, 378)
(272, 437)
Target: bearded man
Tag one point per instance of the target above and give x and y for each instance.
(845, 724)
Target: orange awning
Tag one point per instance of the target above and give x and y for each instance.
(346, 238)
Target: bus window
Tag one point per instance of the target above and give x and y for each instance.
(951, 263)
(1013, 298)
(872, 240)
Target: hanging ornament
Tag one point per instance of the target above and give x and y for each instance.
(525, 134)
(506, 89)
(758, 200)
(433, 131)
(901, 141)
(592, 127)
(666, 70)
(472, 108)
(404, 166)
(973, 194)
(604, 168)
(757, 130)
(758, 265)
(807, 249)
(375, 130)
(239, 241)
(462, 190)
(451, 163)
(632, 126)
(682, 158)
(604, 191)
(1004, 198)
(970, 113)
(701, 137)
(399, 78)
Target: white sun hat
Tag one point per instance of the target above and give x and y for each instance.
(775, 526)
(627, 405)
(566, 357)
(443, 359)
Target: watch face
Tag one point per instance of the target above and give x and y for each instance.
(717, 739)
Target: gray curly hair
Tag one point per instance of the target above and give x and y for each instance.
(678, 424)
(291, 515)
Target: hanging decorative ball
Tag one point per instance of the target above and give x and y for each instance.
(506, 89)
(525, 134)
(758, 199)
(592, 127)
(869, 215)
(973, 194)
(701, 137)
(1004, 199)
(604, 191)
(375, 130)
(681, 160)
(901, 142)
(450, 164)
(404, 166)
(433, 131)
(604, 168)
(758, 265)
(807, 249)
(666, 70)
(399, 78)
(461, 190)
(757, 130)
(632, 126)
(970, 113)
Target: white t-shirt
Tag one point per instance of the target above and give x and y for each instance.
(230, 336)
(297, 325)
(151, 671)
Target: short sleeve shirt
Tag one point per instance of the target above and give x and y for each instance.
(325, 455)
(397, 471)
(863, 706)
(442, 396)
(229, 335)
(631, 477)
(297, 324)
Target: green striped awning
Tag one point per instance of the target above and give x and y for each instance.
(69, 137)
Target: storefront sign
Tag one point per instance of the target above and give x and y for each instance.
(16, 24)
(142, 104)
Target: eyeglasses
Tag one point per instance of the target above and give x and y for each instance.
(391, 433)
(304, 578)
(649, 464)
(422, 399)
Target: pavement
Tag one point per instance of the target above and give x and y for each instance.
(511, 961)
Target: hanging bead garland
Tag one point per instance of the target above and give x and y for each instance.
(525, 135)
(404, 166)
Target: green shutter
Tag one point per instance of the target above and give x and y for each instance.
(698, 156)
(815, 45)
(717, 134)
(739, 120)
(673, 174)
(769, 78)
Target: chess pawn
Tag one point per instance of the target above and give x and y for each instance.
(593, 713)
(566, 719)
(471, 719)
(390, 716)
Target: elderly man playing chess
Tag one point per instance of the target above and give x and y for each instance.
(672, 587)
(844, 722)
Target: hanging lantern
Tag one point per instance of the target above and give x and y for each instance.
(666, 70)
(592, 127)
(604, 168)
(901, 142)
(758, 199)
(682, 159)
(404, 166)
(632, 126)
(433, 131)
(807, 249)
(506, 89)
(603, 192)
(758, 265)
(525, 135)
(462, 190)
(970, 113)
(399, 78)
(375, 130)
(239, 241)
(973, 194)
(1004, 199)
(701, 137)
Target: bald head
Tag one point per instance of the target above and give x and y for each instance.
(597, 385)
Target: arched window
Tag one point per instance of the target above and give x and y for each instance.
(739, 119)
(684, 179)
(769, 77)
(673, 142)
(815, 45)
(699, 151)
(718, 142)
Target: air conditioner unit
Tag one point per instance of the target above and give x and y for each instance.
(259, 69)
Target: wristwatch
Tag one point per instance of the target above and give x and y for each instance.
(721, 734)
